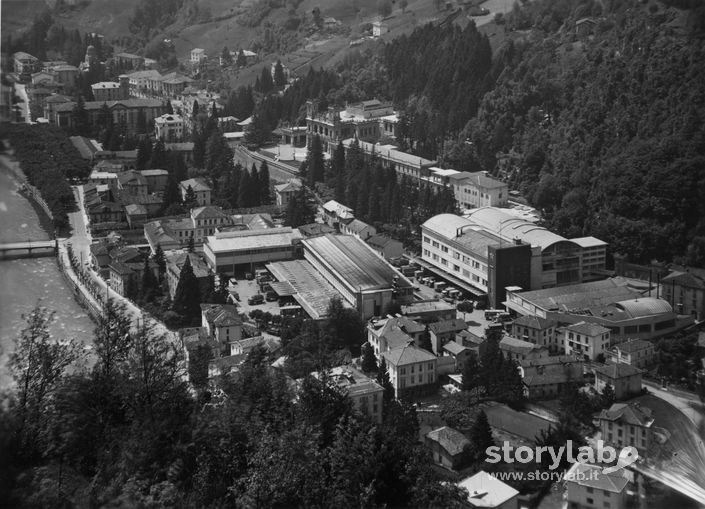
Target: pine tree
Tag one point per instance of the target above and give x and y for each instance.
(315, 161)
(144, 154)
(179, 167)
(279, 77)
(160, 260)
(225, 57)
(241, 58)
(190, 200)
(369, 362)
(481, 436)
(81, 121)
(171, 192)
(191, 245)
(187, 298)
(471, 373)
(168, 107)
(263, 177)
(244, 199)
(158, 160)
(148, 283)
(384, 380)
(608, 396)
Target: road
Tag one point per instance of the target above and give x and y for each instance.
(81, 241)
(689, 404)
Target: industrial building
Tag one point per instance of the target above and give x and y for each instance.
(363, 278)
(232, 252)
(491, 249)
(618, 304)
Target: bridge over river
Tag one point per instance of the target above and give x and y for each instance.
(28, 249)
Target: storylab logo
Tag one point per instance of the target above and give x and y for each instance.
(601, 455)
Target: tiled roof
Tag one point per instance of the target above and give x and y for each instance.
(534, 322)
(453, 441)
(221, 315)
(591, 476)
(634, 345)
(547, 361)
(588, 329)
(454, 348)
(628, 413)
(454, 325)
(196, 184)
(208, 212)
(515, 345)
(380, 241)
(616, 371)
(409, 354)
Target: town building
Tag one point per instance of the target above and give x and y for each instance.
(169, 128)
(129, 61)
(476, 344)
(109, 91)
(475, 259)
(587, 487)
(636, 352)
(385, 334)
(198, 55)
(459, 353)
(222, 322)
(414, 167)
(627, 424)
(135, 114)
(357, 228)
(367, 121)
(141, 82)
(587, 339)
(379, 28)
(133, 182)
(519, 350)
(548, 377)
(684, 289)
(175, 261)
(443, 332)
(412, 370)
(201, 190)
(156, 180)
(538, 331)
(475, 190)
(234, 252)
(487, 492)
(617, 303)
(136, 215)
(449, 447)
(367, 396)
(365, 280)
(427, 311)
(385, 246)
(624, 379)
(335, 213)
(315, 229)
(25, 64)
(283, 193)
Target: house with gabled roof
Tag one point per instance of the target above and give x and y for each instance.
(627, 424)
(537, 330)
(392, 332)
(590, 340)
(684, 289)
(449, 447)
(444, 331)
(624, 379)
(175, 261)
(221, 321)
(486, 491)
(285, 192)
(636, 352)
(200, 189)
(519, 350)
(412, 370)
(587, 486)
(359, 229)
(385, 246)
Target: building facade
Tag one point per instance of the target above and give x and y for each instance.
(475, 190)
(627, 424)
(411, 370)
(587, 339)
(169, 128)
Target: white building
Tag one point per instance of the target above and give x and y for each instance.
(410, 369)
(475, 190)
(169, 128)
(489, 492)
(199, 187)
(587, 339)
(198, 55)
(588, 487)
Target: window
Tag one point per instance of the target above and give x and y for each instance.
(590, 490)
(589, 501)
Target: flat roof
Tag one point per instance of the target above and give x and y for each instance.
(355, 262)
(251, 239)
(310, 289)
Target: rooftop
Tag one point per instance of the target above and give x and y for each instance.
(478, 179)
(409, 354)
(444, 326)
(617, 371)
(221, 315)
(391, 153)
(357, 226)
(630, 413)
(310, 230)
(454, 348)
(175, 261)
(511, 227)
(487, 491)
(105, 85)
(252, 239)
(355, 262)
(380, 241)
(591, 476)
(534, 322)
(453, 441)
(196, 184)
(310, 289)
(426, 306)
(634, 345)
(588, 329)
(516, 345)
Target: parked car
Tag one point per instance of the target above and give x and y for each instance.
(233, 281)
(271, 296)
(256, 299)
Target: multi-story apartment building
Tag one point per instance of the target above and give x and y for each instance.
(536, 330)
(474, 190)
(478, 260)
(131, 112)
(386, 334)
(25, 64)
(627, 424)
(367, 121)
(588, 488)
(636, 352)
(198, 55)
(201, 190)
(367, 396)
(587, 339)
(411, 166)
(222, 322)
(109, 91)
(684, 289)
(411, 369)
(624, 379)
(169, 128)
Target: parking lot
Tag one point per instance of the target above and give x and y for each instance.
(246, 289)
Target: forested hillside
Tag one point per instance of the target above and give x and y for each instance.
(605, 133)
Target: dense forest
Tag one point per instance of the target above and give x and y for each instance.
(605, 134)
(127, 431)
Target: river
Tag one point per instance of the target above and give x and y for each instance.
(23, 283)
